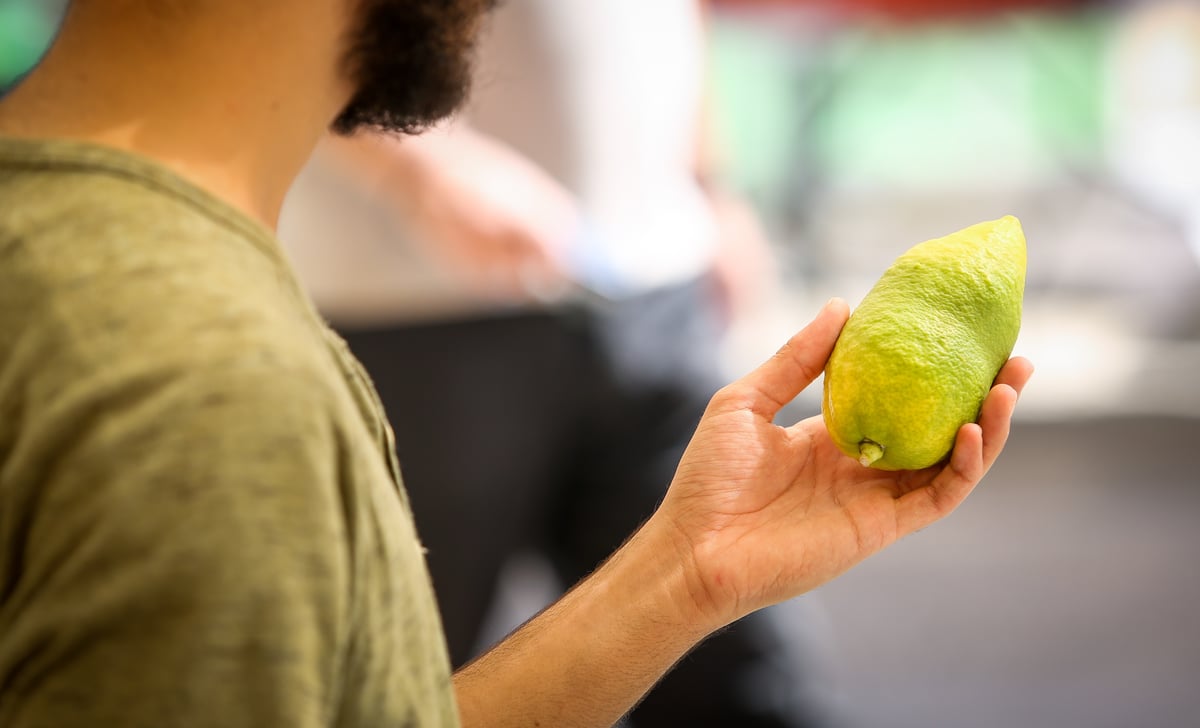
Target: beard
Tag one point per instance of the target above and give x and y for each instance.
(410, 62)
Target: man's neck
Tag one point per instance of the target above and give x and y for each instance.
(237, 116)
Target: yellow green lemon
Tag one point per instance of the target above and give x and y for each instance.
(919, 354)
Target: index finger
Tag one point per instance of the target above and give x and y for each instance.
(782, 377)
(995, 417)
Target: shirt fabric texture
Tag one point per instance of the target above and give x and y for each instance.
(201, 517)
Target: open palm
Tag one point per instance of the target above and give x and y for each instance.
(767, 512)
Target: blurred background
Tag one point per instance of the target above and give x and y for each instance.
(1066, 591)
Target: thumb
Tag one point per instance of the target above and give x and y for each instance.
(778, 380)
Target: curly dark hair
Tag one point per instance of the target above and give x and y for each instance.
(411, 61)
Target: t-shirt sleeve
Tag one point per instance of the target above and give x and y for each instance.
(182, 556)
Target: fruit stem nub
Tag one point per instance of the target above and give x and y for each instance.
(869, 451)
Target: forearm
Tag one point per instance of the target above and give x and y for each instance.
(405, 160)
(384, 162)
(590, 657)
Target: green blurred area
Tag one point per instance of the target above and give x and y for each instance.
(26, 27)
(919, 107)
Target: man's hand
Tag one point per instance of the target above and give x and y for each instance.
(498, 219)
(491, 217)
(757, 514)
(763, 513)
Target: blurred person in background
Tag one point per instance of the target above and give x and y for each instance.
(1154, 108)
(539, 291)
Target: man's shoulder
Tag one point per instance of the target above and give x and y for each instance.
(114, 271)
(118, 301)
(183, 327)
(108, 217)
(79, 214)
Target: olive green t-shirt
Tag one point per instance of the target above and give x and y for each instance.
(201, 519)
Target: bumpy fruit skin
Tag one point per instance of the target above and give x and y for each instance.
(919, 354)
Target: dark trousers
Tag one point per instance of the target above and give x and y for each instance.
(558, 432)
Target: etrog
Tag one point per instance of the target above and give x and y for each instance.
(919, 354)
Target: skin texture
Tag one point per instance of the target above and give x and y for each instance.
(920, 352)
(233, 96)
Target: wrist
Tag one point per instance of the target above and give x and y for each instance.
(590, 656)
(680, 592)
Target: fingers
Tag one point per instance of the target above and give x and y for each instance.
(995, 417)
(995, 420)
(1015, 373)
(919, 508)
(976, 448)
(777, 381)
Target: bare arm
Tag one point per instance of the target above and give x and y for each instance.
(490, 214)
(587, 659)
(757, 514)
